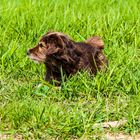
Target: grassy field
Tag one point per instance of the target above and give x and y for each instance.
(70, 111)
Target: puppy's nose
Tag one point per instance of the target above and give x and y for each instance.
(28, 52)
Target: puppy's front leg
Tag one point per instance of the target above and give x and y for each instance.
(53, 78)
(48, 76)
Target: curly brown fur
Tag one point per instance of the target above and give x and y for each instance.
(58, 52)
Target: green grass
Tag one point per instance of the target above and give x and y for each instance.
(47, 112)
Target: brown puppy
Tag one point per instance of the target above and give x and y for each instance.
(59, 53)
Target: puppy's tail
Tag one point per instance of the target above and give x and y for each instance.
(96, 41)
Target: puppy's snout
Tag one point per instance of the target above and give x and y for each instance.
(28, 52)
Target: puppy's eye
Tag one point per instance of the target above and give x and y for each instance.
(41, 44)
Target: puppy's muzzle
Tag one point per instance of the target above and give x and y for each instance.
(28, 52)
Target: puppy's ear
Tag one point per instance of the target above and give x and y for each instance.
(96, 41)
(56, 39)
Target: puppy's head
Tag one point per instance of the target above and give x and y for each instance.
(50, 43)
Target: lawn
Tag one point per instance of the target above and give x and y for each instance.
(33, 109)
